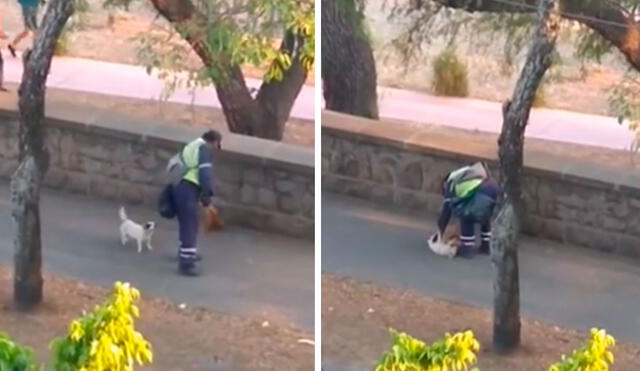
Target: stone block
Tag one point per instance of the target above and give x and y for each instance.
(411, 176)
(285, 186)
(137, 175)
(266, 198)
(78, 182)
(248, 194)
(412, 200)
(253, 176)
(55, 178)
(289, 205)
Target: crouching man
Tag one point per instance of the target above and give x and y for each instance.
(470, 194)
(194, 188)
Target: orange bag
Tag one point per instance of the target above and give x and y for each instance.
(211, 219)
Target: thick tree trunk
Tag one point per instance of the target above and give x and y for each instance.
(506, 328)
(33, 156)
(266, 115)
(348, 67)
(609, 19)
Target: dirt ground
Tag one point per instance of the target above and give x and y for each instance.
(187, 340)
(356, 317)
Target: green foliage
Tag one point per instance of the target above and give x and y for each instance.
(62, 44)
(624, 105)
(540, 98)
(106, 338)
(450, 77)
(14, 357)
(594, 356)
(229, 40)
(454, 353)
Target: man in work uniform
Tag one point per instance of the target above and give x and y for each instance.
(194, 188)
(470, 194)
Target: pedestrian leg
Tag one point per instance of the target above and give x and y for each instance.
(467, 238)
(485, 234)
(186, 196)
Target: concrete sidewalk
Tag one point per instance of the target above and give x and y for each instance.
(474, 114)
(245, 272)
(130, 81)
(575, 288)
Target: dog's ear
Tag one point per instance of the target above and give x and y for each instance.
(149, 225)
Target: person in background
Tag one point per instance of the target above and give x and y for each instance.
(29, 20)
(470, 194)
(3, 36)
(193, 189)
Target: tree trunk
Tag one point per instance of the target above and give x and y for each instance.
(266, 115)
(506, 329)
(610, 20)
(33, 157)
(348, 67)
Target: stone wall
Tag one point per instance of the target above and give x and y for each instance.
(261, 184)
(568, 200)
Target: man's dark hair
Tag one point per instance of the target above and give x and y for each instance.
(212, 136)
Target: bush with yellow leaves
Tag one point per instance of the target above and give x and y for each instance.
(105, 340)
(594, 356)
(453, 353)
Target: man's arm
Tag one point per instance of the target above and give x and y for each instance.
(205, 173)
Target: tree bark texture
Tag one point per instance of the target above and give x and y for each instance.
(348, 67)
(265, 115)
(506, 330)
(33, 157)
(608, 18)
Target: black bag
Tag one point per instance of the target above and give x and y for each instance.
(166, 203)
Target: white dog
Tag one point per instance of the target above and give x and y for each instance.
(440, 247)
(132, 230)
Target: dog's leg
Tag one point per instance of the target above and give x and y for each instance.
(149, 245)
(123, 238)
(139, 246)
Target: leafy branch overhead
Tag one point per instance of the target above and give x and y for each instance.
(230, 33)
(594, 29)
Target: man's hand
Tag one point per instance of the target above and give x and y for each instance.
(3, 35)
(205, 200)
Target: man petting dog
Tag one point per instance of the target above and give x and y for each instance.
(194, 188)
(470, 194)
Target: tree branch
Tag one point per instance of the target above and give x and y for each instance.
(610, 20)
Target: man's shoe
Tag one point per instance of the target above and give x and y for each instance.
(188, 270)
(196, 258)
(484, 250)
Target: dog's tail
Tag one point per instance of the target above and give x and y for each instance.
(123, 214)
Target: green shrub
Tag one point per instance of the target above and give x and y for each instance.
(540, 98)
(454, 353)
(14, 357)
(62, 44)
(105, 339)
(102, 340)
(450, 76)
(594, 356)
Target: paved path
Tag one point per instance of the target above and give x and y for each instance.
(133, 82)
(244, 272)
(574, 288)
(473, 114)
